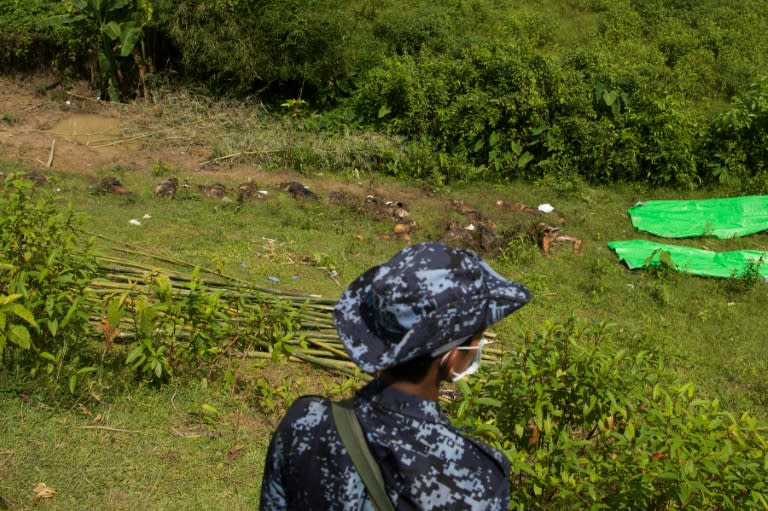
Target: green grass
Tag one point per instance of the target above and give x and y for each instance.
(709, 329)
(133, 453)
(195, 446)
(129, 448)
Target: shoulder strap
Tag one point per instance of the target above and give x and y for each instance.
(354, 440)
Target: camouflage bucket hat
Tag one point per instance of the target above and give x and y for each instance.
(427, 299)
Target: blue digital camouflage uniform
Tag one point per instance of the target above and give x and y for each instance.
(425, 461)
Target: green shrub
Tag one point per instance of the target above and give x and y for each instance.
(484, 104)
(237, 46)
(47, 267)
(181, 327)
(25, 45)
(738, 138)
(587, 425)
(406, 29)
(59, 320)
(116, 32)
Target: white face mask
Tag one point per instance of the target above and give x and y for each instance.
(474, 365)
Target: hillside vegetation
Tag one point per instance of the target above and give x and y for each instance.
(658, 92)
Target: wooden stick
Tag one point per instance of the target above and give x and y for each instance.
(50, 156)
(98, 100)
(107, 428)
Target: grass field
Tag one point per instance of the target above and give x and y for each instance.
(200, 444)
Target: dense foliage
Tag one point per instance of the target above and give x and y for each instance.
(588, 425)
(45, 269)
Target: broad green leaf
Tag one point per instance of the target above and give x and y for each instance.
(524, 160)
(116, 5)
(6, 299)
(610, 97)
(208, 409)
(629, 431)
(384, 111)
(47, 356)
(488, 401)
(53, 327)
(130, 38)
(112, 30)
(61, 19)
(134, 354)
(19, 335)
(116, 311)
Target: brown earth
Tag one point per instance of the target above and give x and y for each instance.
(69, 127)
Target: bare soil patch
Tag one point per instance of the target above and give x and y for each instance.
(66, 125)
(88, 134)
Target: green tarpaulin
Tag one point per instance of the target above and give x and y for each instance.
(721, 218)
(645, 254)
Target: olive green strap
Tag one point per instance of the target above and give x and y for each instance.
(354, 440)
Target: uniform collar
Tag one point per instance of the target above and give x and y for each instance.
(383, 396)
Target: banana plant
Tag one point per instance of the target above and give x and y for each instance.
(118, 26)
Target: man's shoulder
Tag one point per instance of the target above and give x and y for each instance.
(307, 406)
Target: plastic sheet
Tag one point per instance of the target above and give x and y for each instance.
(721, 218)
(646, 254)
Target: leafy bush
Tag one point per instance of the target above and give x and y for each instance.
(484, 104)
(738, 138)
(589, 426)
(51, 301)
(182, 327)
(239, 46)
(116, 31)
(25, 45)
(47, 266)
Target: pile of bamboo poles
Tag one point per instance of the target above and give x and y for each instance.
(316, 341)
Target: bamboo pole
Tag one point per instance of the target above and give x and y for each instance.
(316, 340)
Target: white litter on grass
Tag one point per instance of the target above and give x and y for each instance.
(146, 216)
(546, 208)
(263, 192)
(133, 221)
(470, 227)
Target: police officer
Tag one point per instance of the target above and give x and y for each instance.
(413, 322)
